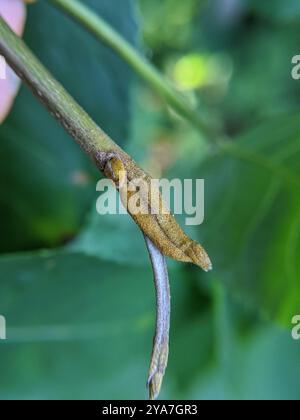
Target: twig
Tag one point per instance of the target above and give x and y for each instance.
(61, 105)
(159, 358)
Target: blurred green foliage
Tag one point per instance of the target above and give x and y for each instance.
(80, 314)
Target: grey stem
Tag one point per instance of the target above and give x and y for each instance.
(160, 352)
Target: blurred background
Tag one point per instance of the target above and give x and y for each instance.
(76, 288)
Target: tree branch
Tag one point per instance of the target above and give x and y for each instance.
(61, 105)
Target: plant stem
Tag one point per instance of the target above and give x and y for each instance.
(61, 105)
(160, 352)
(108, 35)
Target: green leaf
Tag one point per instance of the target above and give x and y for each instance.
(252, 226)
(280, 10)
(263, 367)
(252, 360)
(46, 182)
(78, 327)
(262, 86)
(112, 237)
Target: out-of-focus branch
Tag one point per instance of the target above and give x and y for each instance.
(109, 36)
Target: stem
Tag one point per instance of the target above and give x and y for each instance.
(159, 358)
(108, 35)
(51, 93)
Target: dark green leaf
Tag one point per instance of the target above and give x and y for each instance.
(46, 182)
(252, 227)
(79, 328)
